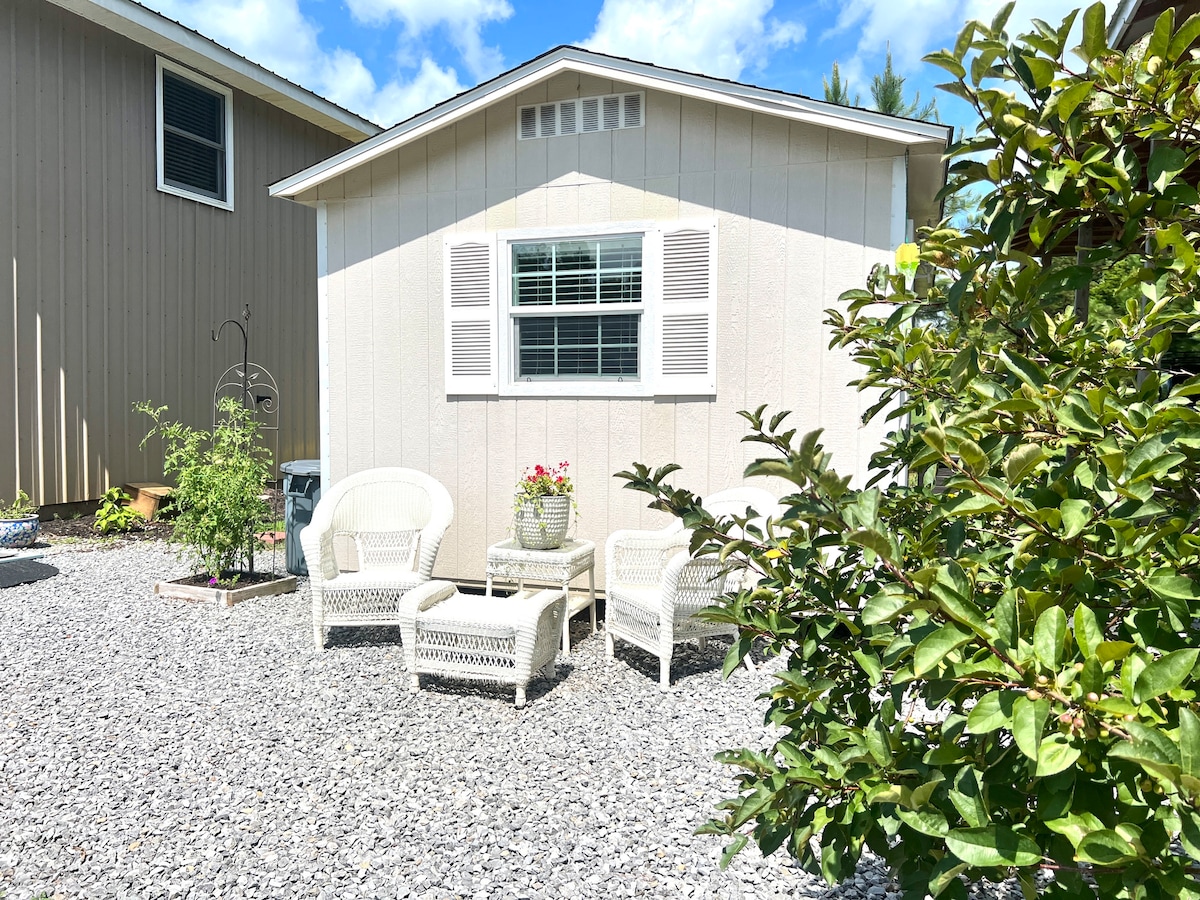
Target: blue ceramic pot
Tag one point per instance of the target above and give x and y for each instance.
(18, 533)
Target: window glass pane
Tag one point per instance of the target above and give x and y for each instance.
(193, 109)
(533, 257)
(560, 273)
(578, 346)
(193, 165)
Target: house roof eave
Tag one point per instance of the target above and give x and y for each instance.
(907, 132)
(190, 48)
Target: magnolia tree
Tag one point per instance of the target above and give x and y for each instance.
(995, 674)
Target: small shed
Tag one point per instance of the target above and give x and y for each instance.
(599, 260)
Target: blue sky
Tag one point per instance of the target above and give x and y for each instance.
(389, 59)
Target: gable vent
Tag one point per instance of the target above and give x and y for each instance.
(585, 115)
(633, 110)
(528, 122)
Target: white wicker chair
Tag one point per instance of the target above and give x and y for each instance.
(653, 587)
(393, 521)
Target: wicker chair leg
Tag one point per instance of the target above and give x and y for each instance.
(520, 701)
(703, 644)
(609, 649)
(414, 683)
(319, 636)
(664, 673)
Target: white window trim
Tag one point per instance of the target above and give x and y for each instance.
(651, 292)
(167, 65)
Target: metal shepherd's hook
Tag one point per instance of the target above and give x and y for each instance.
(216, 336)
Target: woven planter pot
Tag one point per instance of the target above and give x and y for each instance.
(18, 533)
(542, 524)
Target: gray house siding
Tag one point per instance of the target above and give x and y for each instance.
(109, 288)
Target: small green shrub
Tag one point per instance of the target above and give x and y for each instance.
(115, 515)
(19, 509)
(220, 476)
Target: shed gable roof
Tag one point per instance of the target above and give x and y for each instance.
(182, 44)
(907, 132)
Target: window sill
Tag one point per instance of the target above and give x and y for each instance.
(199, 198)
(612, 390)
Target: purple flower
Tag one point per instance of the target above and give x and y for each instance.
(212, 582)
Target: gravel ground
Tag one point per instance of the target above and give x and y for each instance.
(158, 748)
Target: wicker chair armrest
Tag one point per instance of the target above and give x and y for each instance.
(318, 552)
(690, 584)
(640, 557)
(424, 596)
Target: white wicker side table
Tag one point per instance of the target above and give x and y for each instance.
(509, 561)
(479, 638)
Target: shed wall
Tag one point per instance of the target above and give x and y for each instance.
(109, 289)
(802, 215)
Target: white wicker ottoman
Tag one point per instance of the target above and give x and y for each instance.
(501, 640)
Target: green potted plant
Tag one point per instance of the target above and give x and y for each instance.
(18, 523)
(542, 507)
(218, 504)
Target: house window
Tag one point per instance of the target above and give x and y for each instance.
(195, 136)
(619, 310)
(577, 309)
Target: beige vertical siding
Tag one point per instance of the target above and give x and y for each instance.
(109, 289)
(802, 213)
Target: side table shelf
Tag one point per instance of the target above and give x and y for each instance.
(509, 561)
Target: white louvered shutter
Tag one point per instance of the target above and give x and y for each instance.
(687, 312)
(471, 307)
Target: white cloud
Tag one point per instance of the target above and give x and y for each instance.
(276, 35)
(716, 37)
(462, 19)
(916, 27)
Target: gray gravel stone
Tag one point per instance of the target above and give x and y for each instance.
(159, 748)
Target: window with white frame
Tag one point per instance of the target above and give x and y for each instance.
(195, 136)
(576, 308)
(623, 311)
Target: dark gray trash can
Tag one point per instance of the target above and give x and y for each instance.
(301, 490)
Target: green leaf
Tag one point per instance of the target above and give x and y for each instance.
(1049, 636)
(926, 821)
(1088, 633)
(732, 849)
(1025, 369)
(1189, 742)
(1105, 848)
(1095, 41)
(1075, 517)
(1055, 755)
(1077, 416)
(1041, 70)
(1069, 99)
(1173, 587)
(973, 457)
(1109, 651)
(993, 711)
(1075, 826)
(952, 590)
(1166, 162)
(993, 845)
(1165, 674)
(1029, 722)
(1185, 36)
(933, 649)
(883, 608)
(876, 541)
(1021, 461)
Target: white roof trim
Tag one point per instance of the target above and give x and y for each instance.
(1122, 18)
(171, 39)
(872, 124)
